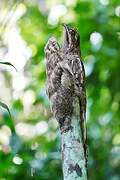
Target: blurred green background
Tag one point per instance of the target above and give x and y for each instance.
(30, 143)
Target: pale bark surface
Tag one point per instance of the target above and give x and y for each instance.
(73, 153)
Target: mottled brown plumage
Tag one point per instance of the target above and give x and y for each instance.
(59, 84)
(66, 80)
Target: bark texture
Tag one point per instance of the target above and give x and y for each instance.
(74, 163)
(66, 91)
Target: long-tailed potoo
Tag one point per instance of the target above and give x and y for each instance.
(66, 79)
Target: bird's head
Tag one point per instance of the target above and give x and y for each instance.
(71, 39)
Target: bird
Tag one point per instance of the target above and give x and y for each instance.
(66, 80)
(72, 52)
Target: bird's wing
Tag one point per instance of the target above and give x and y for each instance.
(52, 53)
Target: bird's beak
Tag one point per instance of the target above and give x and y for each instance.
(66, 32)
(66, 28)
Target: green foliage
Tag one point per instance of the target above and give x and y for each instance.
(34, 144)
(9, 64)
(3, 105)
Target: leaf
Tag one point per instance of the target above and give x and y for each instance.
(9, 64)
(5, 107)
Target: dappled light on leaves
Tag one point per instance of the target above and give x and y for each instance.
(17, 160)
(104, 2)
(5, 134)
(55, 13)
(117, 11)
(89, 64)
(96, 40)
(29, 131)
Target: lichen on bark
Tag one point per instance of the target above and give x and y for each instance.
(74, 167)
